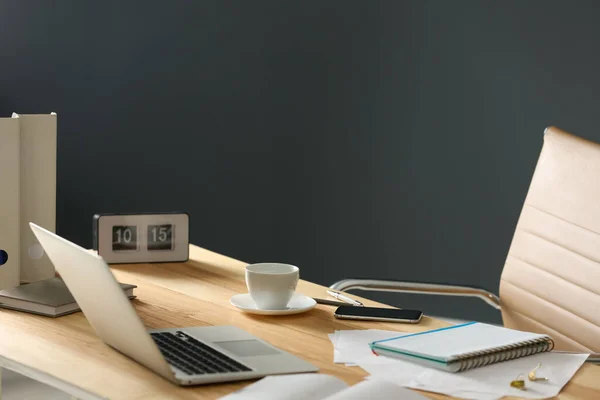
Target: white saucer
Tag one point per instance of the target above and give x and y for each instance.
(298, 304)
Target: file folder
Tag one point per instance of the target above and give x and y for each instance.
(9, 202)
(38, 191)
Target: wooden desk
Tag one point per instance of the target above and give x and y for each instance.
(66, 353)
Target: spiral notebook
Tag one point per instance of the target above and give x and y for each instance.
(462, 347)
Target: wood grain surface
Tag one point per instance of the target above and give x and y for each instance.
(195, 293)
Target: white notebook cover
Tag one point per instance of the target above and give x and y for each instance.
(448, 343)
(460, 347)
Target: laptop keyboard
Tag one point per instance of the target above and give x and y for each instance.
(192, 356)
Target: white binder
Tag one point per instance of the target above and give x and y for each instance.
(9, 202)
(38, 191)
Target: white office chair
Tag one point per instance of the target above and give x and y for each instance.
(551, 278)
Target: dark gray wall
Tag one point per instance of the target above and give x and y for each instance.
(388, 139)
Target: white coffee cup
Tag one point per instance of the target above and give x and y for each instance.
(272, 285)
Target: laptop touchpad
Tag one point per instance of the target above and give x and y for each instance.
(247, 348)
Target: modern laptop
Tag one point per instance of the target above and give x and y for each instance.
(185, 356)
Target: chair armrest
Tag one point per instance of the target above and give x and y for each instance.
(382, 285)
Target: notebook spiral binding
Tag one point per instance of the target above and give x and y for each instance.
(498, 354)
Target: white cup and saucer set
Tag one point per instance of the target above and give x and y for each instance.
(272, 291)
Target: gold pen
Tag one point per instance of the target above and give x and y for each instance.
(345, 299)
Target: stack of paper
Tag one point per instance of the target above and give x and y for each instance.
(490, 382)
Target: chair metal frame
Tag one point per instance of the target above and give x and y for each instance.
(387, 285)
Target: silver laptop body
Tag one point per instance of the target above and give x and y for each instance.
(186, 356)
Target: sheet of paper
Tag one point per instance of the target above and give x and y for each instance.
(333, 337)
(337, 355)
(404, 374)
(400, 372)
(490, 382)
(352, 346)
(376, 389)
(290, 387)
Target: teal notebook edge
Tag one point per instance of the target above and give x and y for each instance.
(375, 345)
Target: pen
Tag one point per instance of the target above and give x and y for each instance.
(329, 302)
(345, 299)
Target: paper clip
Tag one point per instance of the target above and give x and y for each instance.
(533, 377)
(519, 383)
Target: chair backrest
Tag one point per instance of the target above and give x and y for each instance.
(551, 278)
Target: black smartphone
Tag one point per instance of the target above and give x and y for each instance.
(378, 314)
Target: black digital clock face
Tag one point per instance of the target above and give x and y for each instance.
(124, 238)
(160, 237)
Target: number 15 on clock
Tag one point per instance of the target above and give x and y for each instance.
(160, 237)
